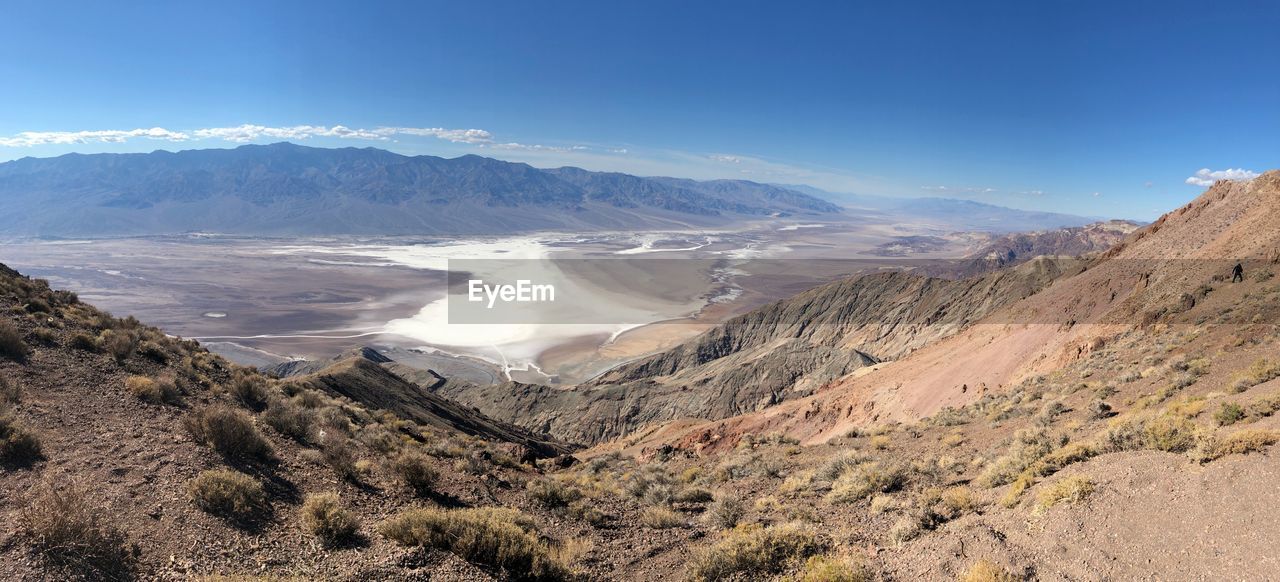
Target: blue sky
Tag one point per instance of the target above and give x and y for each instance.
(1100, 108)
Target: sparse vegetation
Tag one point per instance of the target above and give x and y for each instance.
(10, 390)
(18, 445)
(1028, 446)
(865, 480)
(84, 341)
(228, 494)
(726, 512)
(250, 390)
(1230, 413)
(1070, 490)
(1261, 370)
(755, 550)
(74, 535)
(11, 344)
(1241, 443)
(325, 517)
(829, 569)
(119, 344)
(502, 539)
(340, 455)
(291, 420)
(987, 571)
(163, 390)
(229, 432)
(661, 518)
(415, 470)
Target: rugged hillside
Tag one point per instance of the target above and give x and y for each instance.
(1165, 272)
(290, 189)
(776, 353)
(1018, 248)
(361, 379)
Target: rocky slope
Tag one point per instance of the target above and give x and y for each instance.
(1018, 248)
(1170, 272)
(779, 352)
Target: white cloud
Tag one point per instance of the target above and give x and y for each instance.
(249, 133)
(964, 190)
(534, 147)
(1206, 177)
(453, 135)
(35, 138)
(725, 159)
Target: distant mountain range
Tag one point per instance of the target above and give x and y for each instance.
(290, 189)
(952, 213)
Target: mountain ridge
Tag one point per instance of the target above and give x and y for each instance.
(285, 188)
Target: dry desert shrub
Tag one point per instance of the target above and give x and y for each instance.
(75, 536)
(162, 390)
(497, 538)
(10, 390)
(1240, 443)
(18, 445)
(229, 494)
(326, 518)
(1262, 370)
(829, 569)
(340, 455)
(415, 470)
(229, 432)
(1028, 447)
(291, 420)
(693, 495)
(1230, 413)
(11, 344)
(726, 512)
(755, 551)
(987, 571)
(119, 344)
(1070, 490)
(661, 518)
(83, 341)
(866, 480)
(250, 390)
(552, 493)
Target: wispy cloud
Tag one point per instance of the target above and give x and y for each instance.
(725, 158)
(1206, 177)
(958, 190)
(35, 138)
(250, 132)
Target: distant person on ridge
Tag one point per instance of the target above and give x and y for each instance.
(1237, 273)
